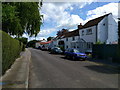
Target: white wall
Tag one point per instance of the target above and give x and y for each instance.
(112, 30)
(37, 44)
(102, 30)
(53, 44)
(70, 42)
(66, 43)
(88, 38)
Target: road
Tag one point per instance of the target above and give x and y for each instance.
(54, 71)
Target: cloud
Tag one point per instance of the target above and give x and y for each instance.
(99, 11)
(46, 32)
(70, 22)
(43, 34)
(58, 14)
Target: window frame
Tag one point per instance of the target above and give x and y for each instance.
(89, 31)
(73, 38)
(67, 39)
(83, 32)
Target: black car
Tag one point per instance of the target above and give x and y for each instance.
(56, 50)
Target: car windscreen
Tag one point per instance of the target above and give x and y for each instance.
(76, 51)
(57, 48)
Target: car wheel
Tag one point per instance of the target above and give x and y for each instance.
(66, 56)
(73, 58)
(84, 59)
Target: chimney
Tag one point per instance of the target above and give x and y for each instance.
(80, 26)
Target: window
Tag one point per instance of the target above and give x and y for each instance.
(76, 51)
(66, 39)
(104, 24)
(89, 31)
(66, 46)
(73, 38)
(82, 33)
(71, 50)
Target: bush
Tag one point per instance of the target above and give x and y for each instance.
(11, 49)
(32, 43)
(23, 40)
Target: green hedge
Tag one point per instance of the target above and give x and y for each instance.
(106, 51)
(11, 49)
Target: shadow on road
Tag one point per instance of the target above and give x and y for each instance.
(103, 69)
(70, 59)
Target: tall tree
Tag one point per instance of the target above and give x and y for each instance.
(61, 32)
(49, 38)
(32, 43)
(21, 17)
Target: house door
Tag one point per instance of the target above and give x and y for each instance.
(61, 45)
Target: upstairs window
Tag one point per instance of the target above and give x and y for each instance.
(104, 24)
(66, 46)
(89, 31)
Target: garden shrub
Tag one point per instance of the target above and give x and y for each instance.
(11, 49)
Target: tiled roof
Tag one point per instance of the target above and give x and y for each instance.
(94, 21)
(72, 33)
(46, 42)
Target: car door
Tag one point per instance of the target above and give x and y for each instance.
(67, 52)
(71, 52)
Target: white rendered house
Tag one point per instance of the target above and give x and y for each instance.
(102, 29)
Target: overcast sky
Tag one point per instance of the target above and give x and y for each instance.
(68, 15)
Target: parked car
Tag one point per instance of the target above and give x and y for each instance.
(44, 48)
(39, 47)
(56, 50)
(75, 54)
(88, 52)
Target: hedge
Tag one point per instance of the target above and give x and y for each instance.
(11, 49)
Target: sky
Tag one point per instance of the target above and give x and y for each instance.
(68, 15)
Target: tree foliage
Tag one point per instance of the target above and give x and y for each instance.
(61, 32)
(49, 38)
(21, 17)
(23, 40)
(32, 43)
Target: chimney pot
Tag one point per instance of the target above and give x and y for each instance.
(80, 26)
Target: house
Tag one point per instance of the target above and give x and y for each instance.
(71, 39)
(102, 29)
(37, 44)
(68, 39)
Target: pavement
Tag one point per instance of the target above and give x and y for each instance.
(17, 76)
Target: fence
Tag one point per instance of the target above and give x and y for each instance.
(106, 51)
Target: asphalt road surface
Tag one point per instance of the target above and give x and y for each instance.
(54, 71)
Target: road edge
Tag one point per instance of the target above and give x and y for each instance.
(27, 80)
